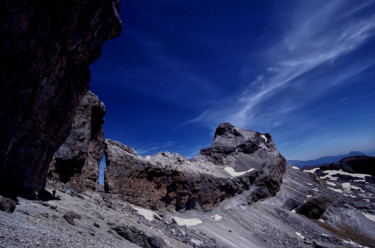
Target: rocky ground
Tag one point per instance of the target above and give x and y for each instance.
(97, 219)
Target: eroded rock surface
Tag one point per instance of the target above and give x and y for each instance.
(46, 48)
(77, 160)
(238, 160)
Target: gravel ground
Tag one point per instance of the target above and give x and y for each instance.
(92, 219)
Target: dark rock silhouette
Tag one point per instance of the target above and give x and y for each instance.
(46, 48)
(7, 204)
(238, 160)
(77, 160)
(353, 164)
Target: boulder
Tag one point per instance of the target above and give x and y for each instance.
(46, 48)
(70, 216)
(140, 237)
(78, 160)
(238, 160)
(314, 208)
(7, 204)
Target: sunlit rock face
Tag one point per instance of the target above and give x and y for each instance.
(77, 160)
(46, 48)
(239, 161)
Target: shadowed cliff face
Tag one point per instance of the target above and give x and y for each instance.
(238, 162)
(46, 48)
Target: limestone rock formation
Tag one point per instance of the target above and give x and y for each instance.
(77, 160)
(237, 161)
(46, 48)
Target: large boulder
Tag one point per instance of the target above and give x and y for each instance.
(46, 48)
(238, 160)
(314, 208)
(78, 160)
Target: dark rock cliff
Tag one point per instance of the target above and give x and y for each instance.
(77, 160)
(238, 160)
(353, 164)
(46, 48)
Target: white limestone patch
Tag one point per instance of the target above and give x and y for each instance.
(309, 184)
(197, 242)
(296, 168)
(216, 217)
(308, 196)
(234, 173)
(187, 222)
(360, 180)
(350, 242)
(331, 183)
(146, 213)
(352, 196)
(337, 190)
(312, 170)
(264, 137)
(321, 220)
(300, 235)
(315, 189)
(369, 216)
(324, 235)
(347, 186)
(293, 211)
(331, 173)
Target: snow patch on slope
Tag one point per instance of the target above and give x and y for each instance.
(234, 173)
(331, 174)
(312, 170)
(187, 222)
(146, 213)
(348, 187)
(216, 217)
(300, 235)
(369, 216)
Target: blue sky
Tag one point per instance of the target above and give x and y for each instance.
(304, 71)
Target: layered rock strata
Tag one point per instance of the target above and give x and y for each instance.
(238, 160)
(77, 160)
(46, 48)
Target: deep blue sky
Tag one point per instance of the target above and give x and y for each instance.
(303, 71)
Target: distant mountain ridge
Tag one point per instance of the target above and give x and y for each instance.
(323, 160)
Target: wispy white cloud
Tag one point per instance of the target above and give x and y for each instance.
(150, 150)
(315, 35)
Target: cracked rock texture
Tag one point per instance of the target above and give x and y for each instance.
(238, 161)
(46, 48)
(77, 161)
